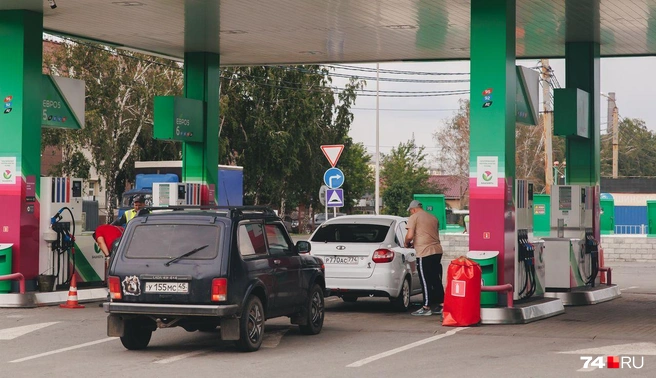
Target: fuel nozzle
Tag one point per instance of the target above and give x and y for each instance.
(57, 217)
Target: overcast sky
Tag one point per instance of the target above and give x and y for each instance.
(402, 118)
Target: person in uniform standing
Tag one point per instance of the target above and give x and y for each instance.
(138, 204)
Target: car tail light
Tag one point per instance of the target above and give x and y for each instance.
(383, 256)
(114, 284)
(219, 289)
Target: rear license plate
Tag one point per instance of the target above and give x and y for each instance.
(167, 287)
(340, 260)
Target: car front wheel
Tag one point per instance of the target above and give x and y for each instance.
(402, 302)
(315, 312)
(251, 325)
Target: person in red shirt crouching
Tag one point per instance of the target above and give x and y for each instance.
(105, 235)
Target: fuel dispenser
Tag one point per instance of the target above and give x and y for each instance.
(176, 194)
(571, 251)
(529, 262)
(64, 246)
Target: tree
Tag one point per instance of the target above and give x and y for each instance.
(453, 143)
(453, 148)
(404, 174)
(273, 122)
(636, 150)
(354, 162)
(120, 89)
(529, 155)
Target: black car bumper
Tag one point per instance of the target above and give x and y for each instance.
(169, 309)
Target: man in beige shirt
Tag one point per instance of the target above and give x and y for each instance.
(424, 234)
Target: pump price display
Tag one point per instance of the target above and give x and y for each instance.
(167, 287)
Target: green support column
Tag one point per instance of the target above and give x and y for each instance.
(492, 131)
(20, 132)
(200, 161)
(582, 71)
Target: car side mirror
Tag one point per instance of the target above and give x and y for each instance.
(303, 246)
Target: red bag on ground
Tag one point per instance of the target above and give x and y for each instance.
(462, 297)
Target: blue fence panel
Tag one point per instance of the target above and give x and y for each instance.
(630, 216)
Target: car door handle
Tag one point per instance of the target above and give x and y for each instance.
(276, 261)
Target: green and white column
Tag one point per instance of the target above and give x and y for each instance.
(492, 131)
(20, 136)
(582, 71)
(200, 161)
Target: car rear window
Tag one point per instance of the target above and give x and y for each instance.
(173, 240)
(351, 233)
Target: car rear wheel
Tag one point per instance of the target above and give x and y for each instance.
(136, 335)
(349, 298)
(251, 325)
(402, 302)
(315, 312)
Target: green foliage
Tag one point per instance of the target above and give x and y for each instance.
(77, 165)
(404, 174)
(120, 88)
(354, 162)
(636, 150)
(273, 122)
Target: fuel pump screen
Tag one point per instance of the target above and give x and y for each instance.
(565, 198)
(77, 189)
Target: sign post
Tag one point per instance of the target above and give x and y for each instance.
(333, 178)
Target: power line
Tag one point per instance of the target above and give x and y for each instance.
(393, 72)
(409, 110)
(373, 78)
(396, 94)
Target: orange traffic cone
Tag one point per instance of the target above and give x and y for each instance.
(72, 296)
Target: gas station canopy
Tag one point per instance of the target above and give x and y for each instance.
(253, 32)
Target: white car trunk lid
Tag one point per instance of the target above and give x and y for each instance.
(346, 260)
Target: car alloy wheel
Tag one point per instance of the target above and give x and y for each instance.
(315, 312)
(402, 302)
(255, 324)
(251, 325)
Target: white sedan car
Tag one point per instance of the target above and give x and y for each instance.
(364, 256)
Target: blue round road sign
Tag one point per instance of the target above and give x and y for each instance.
(333, 178)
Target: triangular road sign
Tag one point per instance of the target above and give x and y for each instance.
(332, 152)
(334, 198)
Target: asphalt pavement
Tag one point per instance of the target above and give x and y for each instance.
(362, 339)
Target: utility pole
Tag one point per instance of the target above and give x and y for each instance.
(547, 123)
(610, 98)
(377, 185)
(616, 131)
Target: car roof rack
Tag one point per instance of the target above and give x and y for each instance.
(183, 207)
(245, 211)
(232, 211)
